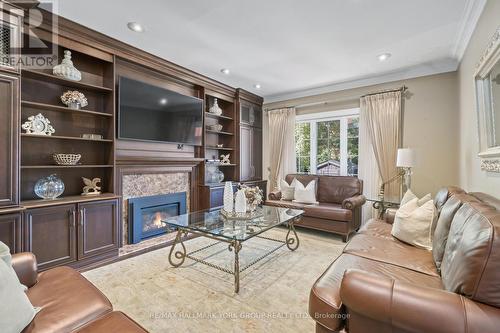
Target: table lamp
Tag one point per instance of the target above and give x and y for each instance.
(406, 161)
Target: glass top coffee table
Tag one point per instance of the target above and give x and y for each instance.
(212, 224)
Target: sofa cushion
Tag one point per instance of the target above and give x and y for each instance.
(392, 252)
(412, 223)
(113, 322)
(377, 228)
(328, 211)
(67, 299)
(325, 305)
(334, 189)
(471, 259)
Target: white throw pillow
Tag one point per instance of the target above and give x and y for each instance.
(412, 223)
(287, 190)
(16, 311)
(306, 194)
(409, 195)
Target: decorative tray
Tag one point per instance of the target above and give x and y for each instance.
(242, 216)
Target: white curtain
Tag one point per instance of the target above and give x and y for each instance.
(383, 119)
(281, 144)
(367, 168)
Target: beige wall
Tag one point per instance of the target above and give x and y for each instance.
(430, 124)
(471, 176)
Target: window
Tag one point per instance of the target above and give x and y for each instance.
(327, 143)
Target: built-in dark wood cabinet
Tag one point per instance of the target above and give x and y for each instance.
(250, 153)
(11, 231)
(250, 114)
(97, 228)
(50, 233)
(9, 140)
(66, 234)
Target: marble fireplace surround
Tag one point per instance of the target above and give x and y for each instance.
(145, 180)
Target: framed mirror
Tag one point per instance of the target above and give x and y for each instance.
(487, 85)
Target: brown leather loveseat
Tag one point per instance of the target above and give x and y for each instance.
(68, 301)
(340, 199)
(380, 284)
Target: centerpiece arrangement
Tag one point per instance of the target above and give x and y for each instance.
(244, 204)
(74, 99)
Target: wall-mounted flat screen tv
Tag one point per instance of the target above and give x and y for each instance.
(151, 113)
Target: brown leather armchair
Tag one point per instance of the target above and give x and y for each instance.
(380, 284)
(339, 203)
(68, 301)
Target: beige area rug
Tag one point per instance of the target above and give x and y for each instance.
(273, 294)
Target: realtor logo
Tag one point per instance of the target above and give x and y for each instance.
(32, 44)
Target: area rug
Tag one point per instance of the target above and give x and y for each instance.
(273, 294)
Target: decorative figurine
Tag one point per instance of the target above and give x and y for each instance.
(215, 109)
(228, 197)
(225, 159)
(38, 125)
(240, 205)
(91, 187)
(74, 99)
(66, 69)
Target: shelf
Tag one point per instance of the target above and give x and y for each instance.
(218, 148)
(62, 81)
(212, 115)
(219, 132)
(57, 137)
(62, 109)
(66, 166)
(67, 200)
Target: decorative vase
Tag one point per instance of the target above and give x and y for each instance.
(240, 205)
(215, 109)
(228, 197)
(74, 105)
(49, 187)
(66, 69)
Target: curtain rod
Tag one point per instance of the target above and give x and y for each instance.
(402, 89)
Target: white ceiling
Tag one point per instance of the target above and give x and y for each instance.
(291, 46)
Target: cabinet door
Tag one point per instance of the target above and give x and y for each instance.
(256, 153)
(9, 140)
(10, 231)
(50, 234)
(97, 228)
(245, 153)
(256, 116)
(245, 112)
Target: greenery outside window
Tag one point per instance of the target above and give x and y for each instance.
(327, 143)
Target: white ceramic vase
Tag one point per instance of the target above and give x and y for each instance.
(215, 108)
(228, 197)
(240, 205)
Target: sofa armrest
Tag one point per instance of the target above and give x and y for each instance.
(354, 202)
(274, 195)
(389, 215)
(396, 306)
(25, 266)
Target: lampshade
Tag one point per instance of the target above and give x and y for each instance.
(406, 158)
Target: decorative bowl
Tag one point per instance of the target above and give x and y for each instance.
(49, 187)
(66, 159)
(216, 127)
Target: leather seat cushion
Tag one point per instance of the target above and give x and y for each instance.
(325, 305)
(328, 211)
(113, 322)
(377, 228)
(334, 189)
(392, 252)
(67, 299)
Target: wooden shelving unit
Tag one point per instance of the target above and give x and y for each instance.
(40, 93)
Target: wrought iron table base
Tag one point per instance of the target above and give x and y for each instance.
(291, 241)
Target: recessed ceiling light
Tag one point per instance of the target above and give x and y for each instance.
(384, 56)
(134, 26)
(256, 86)
(163, 101)
(225, 71)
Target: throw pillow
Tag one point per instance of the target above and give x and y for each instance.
(407, 197)
(6, 257)
(16, 311)
(412, 223)
(306, 194)
(287, 190)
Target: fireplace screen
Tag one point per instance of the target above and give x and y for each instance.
(146, 213)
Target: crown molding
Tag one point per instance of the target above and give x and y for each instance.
(443, 66)
(472, 13)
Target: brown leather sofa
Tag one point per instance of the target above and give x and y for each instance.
(68, 301)
(340, 199)
(380, 284)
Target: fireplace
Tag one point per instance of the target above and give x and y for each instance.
(146, 213)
